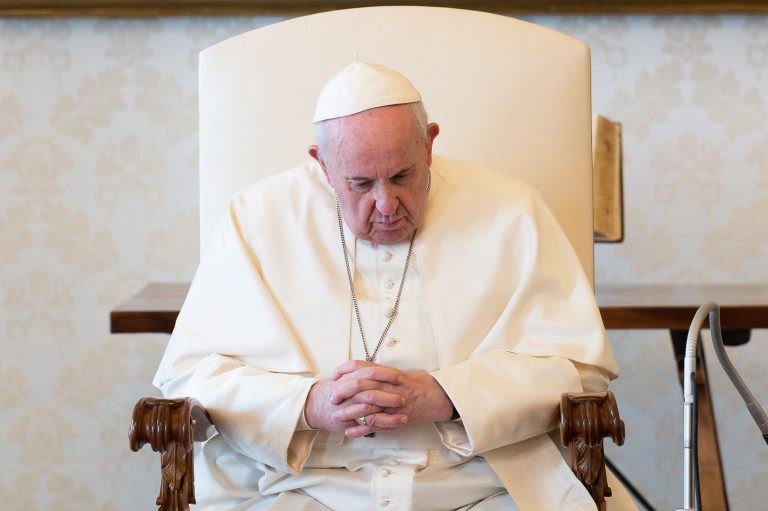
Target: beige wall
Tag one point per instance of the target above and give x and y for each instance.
(692, 94)
(98, 194)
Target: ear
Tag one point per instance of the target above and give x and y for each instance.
(433, 130)
(315, 154)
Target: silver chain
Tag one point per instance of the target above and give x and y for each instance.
(371, 356)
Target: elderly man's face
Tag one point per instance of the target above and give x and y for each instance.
(378, 162)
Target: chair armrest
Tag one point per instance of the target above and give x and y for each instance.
(170, 426)
(585, 419)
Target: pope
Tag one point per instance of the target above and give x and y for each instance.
(385, 328)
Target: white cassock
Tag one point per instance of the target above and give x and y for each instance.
(495, 306)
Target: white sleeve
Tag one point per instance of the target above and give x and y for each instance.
(233, 350)
(549, 326)
(505, 397)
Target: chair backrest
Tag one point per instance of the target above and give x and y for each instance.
(507, 94)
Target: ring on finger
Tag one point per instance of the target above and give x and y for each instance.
(361, 421)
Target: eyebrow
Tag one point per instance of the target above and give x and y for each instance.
(360, 179)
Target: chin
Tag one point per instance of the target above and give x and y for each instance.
(391, 237)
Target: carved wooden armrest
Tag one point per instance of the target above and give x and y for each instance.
(585, 419)
(169, 426)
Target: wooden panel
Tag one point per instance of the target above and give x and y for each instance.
(251, 7)
(608, 205)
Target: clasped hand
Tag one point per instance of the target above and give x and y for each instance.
(386, 396)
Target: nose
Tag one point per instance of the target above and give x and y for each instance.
(387, 201)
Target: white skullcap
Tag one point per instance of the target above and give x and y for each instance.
(362, 86)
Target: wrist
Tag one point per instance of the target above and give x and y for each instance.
(308, 413)
(447, 410)
(302, 424)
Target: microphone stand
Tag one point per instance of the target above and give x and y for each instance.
(691, 492)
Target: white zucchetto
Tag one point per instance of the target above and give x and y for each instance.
(361, 86)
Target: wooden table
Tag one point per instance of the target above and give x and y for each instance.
(668, 307)
(152, 310)
(672, 306)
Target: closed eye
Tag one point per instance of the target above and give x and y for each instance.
(359, 185)
(403, 175)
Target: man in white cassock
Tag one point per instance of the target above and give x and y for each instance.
(386, 329)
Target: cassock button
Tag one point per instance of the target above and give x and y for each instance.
(388, 256)
(392, 341)
(388, 314)
(384, 472)
(384, 502)
(389, 284)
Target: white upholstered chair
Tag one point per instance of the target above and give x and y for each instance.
(508, 95)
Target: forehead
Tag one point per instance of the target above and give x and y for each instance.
(386, 136)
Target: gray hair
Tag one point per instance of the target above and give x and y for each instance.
(322, 136)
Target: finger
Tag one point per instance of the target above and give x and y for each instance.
(344, 390)
(354, 411)
(377, 397)
(357, 431)
(357, 382)
(377, 422)
(349, 367)
(384, 374)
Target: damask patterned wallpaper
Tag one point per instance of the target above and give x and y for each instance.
(98, 194)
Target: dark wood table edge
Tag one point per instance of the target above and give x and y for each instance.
(142, 322)
(732, 317)
(155, 307)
